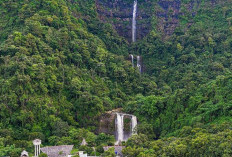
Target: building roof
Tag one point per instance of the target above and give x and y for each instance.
(24, 153)
(57, 151)
(84, 143)
(37, 142)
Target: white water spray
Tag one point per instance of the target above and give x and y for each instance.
(134, 124)
(120, 127)
(139, 64)
(134, 21)
(132, 60)
(120, 124)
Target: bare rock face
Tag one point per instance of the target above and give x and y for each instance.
(107, 123)
(120, 12)
(167, 13)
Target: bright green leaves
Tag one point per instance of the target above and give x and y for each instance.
(179, 47)
(193, 142)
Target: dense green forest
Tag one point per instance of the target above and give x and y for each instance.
(61, 67)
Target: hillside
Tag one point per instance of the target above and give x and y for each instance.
(64, 63)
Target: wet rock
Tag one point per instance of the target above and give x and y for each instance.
(168, 12)
(120, 12)
(107, 123)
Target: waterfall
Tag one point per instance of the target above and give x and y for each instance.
(121, 136)
(133, 124)
(134, 21)
(119, 123)
(139, 64)
(132, 60)
(134, 35)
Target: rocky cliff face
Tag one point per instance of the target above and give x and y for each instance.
(167, 12)
(120, 13)
(170, 11)
(107, 124)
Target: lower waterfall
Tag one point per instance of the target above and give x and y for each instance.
(139, 66)
(120, 125)
(132, 60)
(119, 122)
(133, 125)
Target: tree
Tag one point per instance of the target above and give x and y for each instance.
(43, 155)
(109, 153)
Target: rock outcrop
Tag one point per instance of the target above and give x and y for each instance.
(167, 14)
(107, 123)
(120, 12)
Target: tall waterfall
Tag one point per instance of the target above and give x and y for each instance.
(133, 124)
(132, 60)
(120, 124)
(121, 136)
(134, 21)
(139, 64)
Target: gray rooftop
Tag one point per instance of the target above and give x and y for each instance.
(57, 151)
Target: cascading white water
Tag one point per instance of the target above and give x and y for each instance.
(120, 127)
(133, 125)
(132, 60)
(134, 21)
(134, 35)
(120, 124)
(139, 63)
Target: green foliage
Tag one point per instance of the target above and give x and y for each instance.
(86, 149)
(8, 150)
(109, 153)
(204, 105)
(188, 142)
(61, 67)
(137, 140)
(43, 155)
(105, 139)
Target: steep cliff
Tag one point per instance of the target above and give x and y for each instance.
(107, 124)
(119, 13)
(163, 15)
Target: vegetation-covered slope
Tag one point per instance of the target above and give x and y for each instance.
(61, 67)
(55, 74)
(192, 69)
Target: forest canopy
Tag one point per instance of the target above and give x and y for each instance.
(63, 65)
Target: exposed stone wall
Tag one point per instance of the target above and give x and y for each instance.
(107, 124)
(168, 12)
(120, 13)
